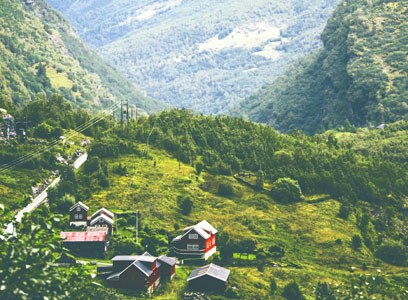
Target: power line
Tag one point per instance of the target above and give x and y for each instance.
(99, 117)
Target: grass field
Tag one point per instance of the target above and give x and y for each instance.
(317, 243)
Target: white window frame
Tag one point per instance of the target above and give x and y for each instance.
(78, 208)
(193, 236)
(79, 216)
(193, 247)
(76, 216)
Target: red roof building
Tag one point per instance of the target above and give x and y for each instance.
(89, 244)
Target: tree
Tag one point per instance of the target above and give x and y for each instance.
(286, 190)
(393, 253)
(187, 206)
(27, 262)
(225, 190)
(273, 286)
(291, 291)
(344, 211)
(260, 179)
(356, 242)
(199, 165)
(324, 292)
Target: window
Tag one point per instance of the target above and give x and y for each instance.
(78, 208)
(192, 247)
(80, 216)
(76, 216)
(193, 236)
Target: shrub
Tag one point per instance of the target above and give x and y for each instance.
(396, 254)
(286, 190)
(225, 190)
(186, 206)
(344, 211)
(273, 286)
(356, 242)
(292, 292)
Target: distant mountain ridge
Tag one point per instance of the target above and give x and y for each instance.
(359, 77)
(203, 55)
(41, 53)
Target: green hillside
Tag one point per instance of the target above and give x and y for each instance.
(346, 228)
(41, 53)
(359, 77)
(203, 55)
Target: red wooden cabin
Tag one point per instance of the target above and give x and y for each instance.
(198, 241)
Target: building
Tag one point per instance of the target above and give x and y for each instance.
(209, 278)
(102, 221)
(103, 211)
(198, 241)
(78, 215)
(87, 244)
(142, 272)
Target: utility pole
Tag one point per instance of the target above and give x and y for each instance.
(137, 227)
(127, 117)
(121, 114)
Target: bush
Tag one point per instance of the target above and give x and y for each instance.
(396, 254)
(344, 211)
(186, 206)
(356, 242)
(286, 190)
(273, 286)
(292, 292)
(225, 190)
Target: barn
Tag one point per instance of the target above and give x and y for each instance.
(87, 244)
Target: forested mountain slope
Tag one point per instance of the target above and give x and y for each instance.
(360, 75)
(339, 218)
(203, 55)
(40, 52)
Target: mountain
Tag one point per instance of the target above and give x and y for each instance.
(359, 77)
(203, 55)
(41, 52)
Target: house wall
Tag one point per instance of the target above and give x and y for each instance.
(87, 249)
(103, 223)
(81, 214)
(207, 283)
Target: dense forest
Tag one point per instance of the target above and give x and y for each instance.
(205, 55)
(41, 53)
(359, 77)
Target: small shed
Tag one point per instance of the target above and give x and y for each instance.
(209, 278)
(167, 267)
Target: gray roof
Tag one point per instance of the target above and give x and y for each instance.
(210, 270)
(146, 257)
(103, 217)
(167, 260)
(137, 264)
(79, 203)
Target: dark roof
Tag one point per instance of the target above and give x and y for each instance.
(210, 270)
(167, 260)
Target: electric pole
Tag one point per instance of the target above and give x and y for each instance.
(137, 227)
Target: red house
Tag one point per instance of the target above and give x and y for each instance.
(197, 241)
(78, 214)
(142, 272)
